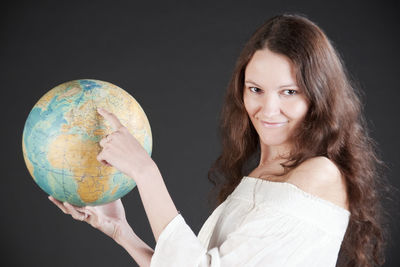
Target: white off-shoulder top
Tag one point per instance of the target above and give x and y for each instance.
(261, 223)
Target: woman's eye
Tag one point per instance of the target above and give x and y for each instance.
(290, 92)
(254, 89)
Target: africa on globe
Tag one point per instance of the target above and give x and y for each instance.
(60, 141)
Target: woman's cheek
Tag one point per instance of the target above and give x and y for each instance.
(296, 109)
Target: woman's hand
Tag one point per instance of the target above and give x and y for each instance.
(109, 218)
(121, 149)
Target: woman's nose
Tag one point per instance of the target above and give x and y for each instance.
(270, 105)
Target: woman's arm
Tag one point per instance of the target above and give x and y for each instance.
(124, 152)
(135, 246)
(157, 202)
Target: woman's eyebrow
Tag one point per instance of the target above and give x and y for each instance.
(249, 81)
(288, 85)
(282, 86)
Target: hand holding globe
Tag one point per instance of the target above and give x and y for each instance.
(108, 218)
(122, 151)
(87, 158)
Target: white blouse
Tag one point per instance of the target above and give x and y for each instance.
(261, 223)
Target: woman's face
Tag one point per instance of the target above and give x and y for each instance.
(274, 103)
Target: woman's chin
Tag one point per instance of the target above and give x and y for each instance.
(273, 142)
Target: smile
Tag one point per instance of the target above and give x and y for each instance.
(273, 125)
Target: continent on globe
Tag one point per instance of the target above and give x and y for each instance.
(60, 141)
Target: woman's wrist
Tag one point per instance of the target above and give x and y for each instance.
(136, 247)
(123, 233)
(148, 168)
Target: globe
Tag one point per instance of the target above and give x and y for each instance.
(61, 136)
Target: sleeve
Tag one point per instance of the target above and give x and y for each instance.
(287, 242)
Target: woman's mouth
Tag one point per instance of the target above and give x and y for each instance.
(273, 124)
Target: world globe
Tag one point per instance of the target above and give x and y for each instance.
(61, 136)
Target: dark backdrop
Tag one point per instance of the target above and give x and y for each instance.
(175, 58)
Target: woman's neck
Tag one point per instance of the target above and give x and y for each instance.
(273, 154)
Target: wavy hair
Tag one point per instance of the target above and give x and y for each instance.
(334, 127)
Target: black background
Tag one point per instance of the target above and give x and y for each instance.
(175, 58)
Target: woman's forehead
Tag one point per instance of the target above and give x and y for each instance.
(269, 69)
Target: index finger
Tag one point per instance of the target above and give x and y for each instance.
(111, 118)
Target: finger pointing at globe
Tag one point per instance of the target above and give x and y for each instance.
(111, 118)
(121, 149)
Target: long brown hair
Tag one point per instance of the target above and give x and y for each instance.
(334, 127)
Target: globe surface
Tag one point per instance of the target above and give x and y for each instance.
(61, 138)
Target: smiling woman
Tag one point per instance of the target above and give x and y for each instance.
(273, 111)
(289, 73)
(296, 179)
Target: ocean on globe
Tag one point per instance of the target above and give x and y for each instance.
(60, 141)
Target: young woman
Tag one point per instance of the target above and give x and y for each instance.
(297, 176)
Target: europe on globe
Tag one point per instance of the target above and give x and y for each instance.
(60, 141)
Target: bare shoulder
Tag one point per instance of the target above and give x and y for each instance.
(321, 177)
